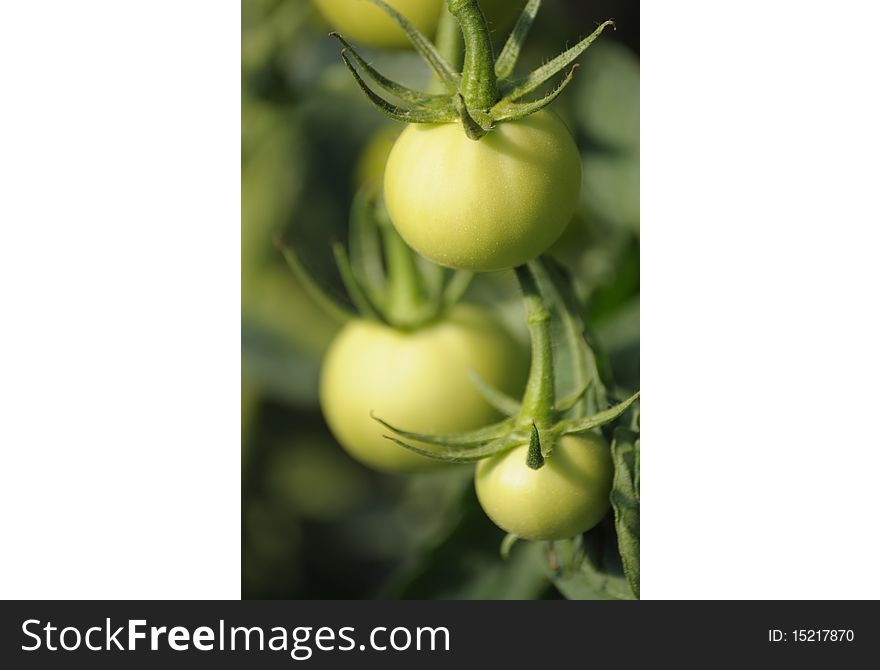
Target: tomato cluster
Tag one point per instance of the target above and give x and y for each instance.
(490, 193)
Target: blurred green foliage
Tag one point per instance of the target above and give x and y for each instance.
(316, 524)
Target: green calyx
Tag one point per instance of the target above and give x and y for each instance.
(485, 92)
(385, 281)
(540, 419)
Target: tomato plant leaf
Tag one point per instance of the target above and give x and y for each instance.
(424, 47)
(518, 88)
(587, 583)
(506, 60)
(569, 426)
(625, 501)
(589, 569)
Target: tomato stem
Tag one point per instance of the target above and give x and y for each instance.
(479, 84)
(406, 291)
(538, 400)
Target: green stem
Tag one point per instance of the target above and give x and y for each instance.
(538, 400)
(450, 44)
(479, 85)
(406, 292)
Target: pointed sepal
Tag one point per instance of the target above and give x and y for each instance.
(534, 457)
(518, 88)
(459, 455)
(404, 93)
(506, 60)
(414, 115)
(507, 110)
(470, 438)
(472, 128)
(424, 47)
(498, 399)
(567, 403)
(570, 426)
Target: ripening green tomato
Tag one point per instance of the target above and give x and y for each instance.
(416, 380)
(565, 498)
(362, 22)
(489, 204)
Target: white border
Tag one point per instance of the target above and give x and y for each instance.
(119, 268)
(760, 334)
(120, 291)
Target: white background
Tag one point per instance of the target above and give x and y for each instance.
(119, 281)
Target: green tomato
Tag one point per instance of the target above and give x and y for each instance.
(489, 204)
(416, 380)
(565, 498)
(360, 21)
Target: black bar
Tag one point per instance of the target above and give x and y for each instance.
(518, 633)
